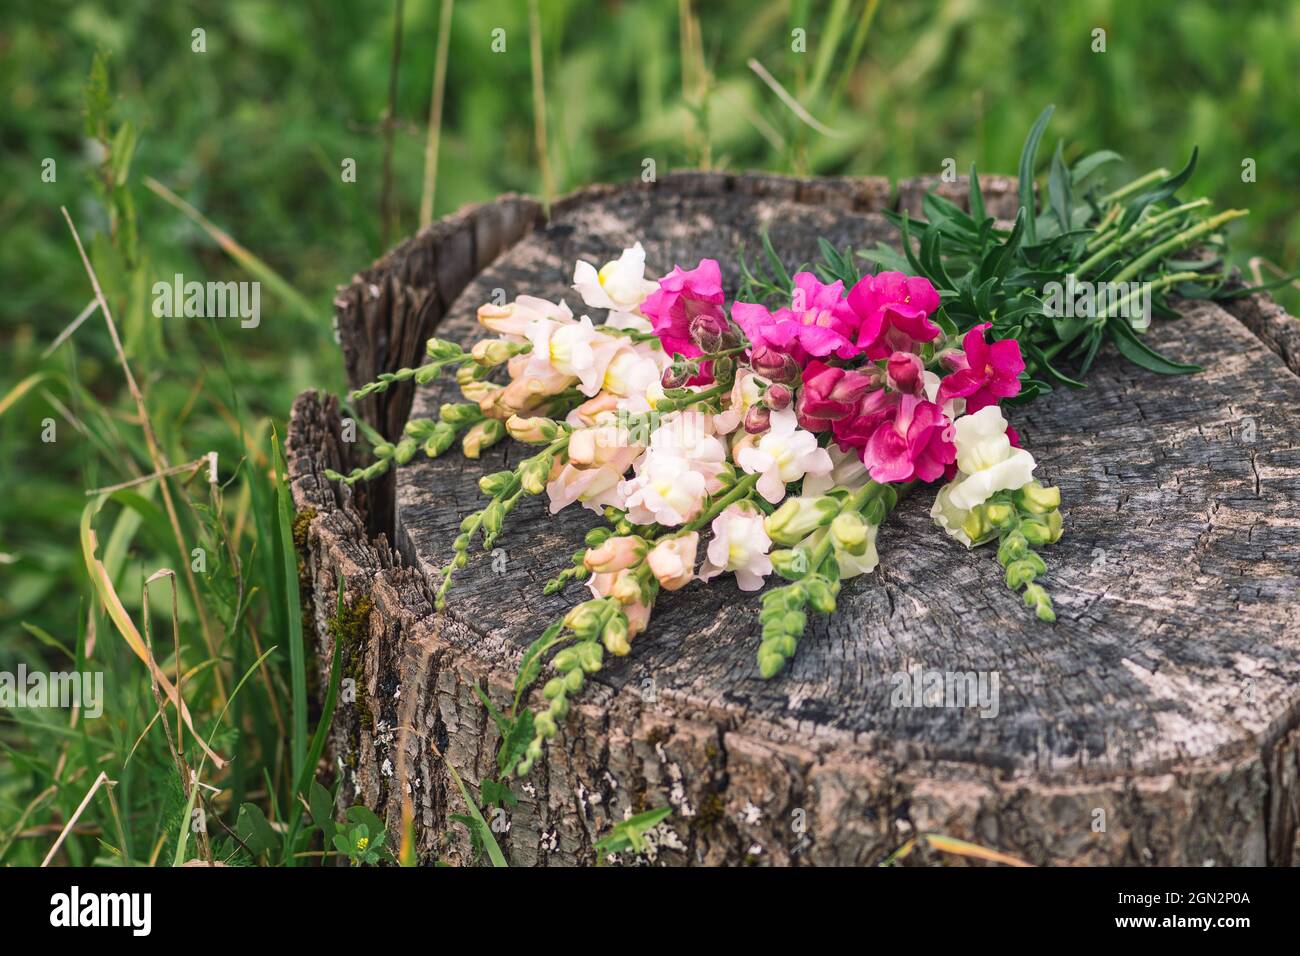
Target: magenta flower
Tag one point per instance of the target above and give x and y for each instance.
(681, 297)
(818, 323)
(904, 370)
(916, 444)
(830, 393)
(855, 429)
(986, 373)
(893, 312)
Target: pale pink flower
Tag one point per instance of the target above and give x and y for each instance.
(620, 285)
(672, 561)
(740, 544)
(665, 490)
(513, 318)
(596, 487)
(784, 453)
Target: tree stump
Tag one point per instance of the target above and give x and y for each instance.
(1154, 723)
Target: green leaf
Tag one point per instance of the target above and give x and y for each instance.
(1162, 191)
(491, 792)
(1058, 190)
(321, 802)
(1091, 163)
(255, 830)
(477, 824)
(977, 212)
(1028, 155)
(630, 833)
(1139, 353)
(530, 667)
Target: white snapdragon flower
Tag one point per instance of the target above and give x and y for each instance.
(986, 464)
(574, 349)
(665, 490)
(689, 435)
(847, 471)
(784, 453)
(619, 285)
(740, 544)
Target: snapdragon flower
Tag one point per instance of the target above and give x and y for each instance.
(784, 453)
(985, 372)
(987, 462)
(666, 490)
(619, 286)
(574, 349)
(740, 545)
(514, 318)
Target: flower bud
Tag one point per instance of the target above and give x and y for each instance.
(442, 349)
(384, 449)
(706, 331)
(626, 589)
(998, 513)
(496, 484)
(421, 429)
(849, 533)
(800, 517)
(490, 353)
(1037, 598)
(590, 656)
(1020, 572)
(615, 554)
(790, 564)
(535, 472)
(773, 365)
(904, 370)
(441, 439)
(778, 396)
(615, 635)
(1036, 531)
(672, 561)
(1037, 499)
(482, 435)
(405, 450)
(574, 680)
(677, 375)
(532, 431)
(586, 619)
(427, 373)
(454, 414)
(544, 725)
(758, 420)
(554, 688)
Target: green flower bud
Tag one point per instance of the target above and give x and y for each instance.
(770, 663)
(1024, 570)
(800, 517)
(596, 537)
(419, 428)
(586, 619)
(1013, 547)
(442, 349)
(850, 533)
(384, 450)
(491, 352)
(560, 707)
(565, 660)
(427, 373)
(554, 688)
(1037, 598)
(794, 622)
(615, 635)
(792, 564)
(483, 434)
(534, 751)
(875, 512)
(524, 767)
(821, 595)
(535, 472)
(1036, 531)
(494, 516)
(405, 450)
(545, 726)
(462, 413)
(1037, 499)
(977, 526)
(441, 439)
(590, 656)
(998, 513)
(1053, 519)
(573, 680)
(498, 483)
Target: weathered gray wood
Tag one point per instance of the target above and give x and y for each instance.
(1166, 695)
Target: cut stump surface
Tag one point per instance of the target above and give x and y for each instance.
(1155, 722)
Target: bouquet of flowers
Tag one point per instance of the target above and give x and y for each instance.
(770, 436)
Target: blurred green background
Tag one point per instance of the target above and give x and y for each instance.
(253, 133)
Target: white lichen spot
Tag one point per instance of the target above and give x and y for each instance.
(386, 768)
(751, 815)
(755, 850)
(530, 790)
(397, 694)
(550, 841)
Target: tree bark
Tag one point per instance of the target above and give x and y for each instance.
(1154, 723)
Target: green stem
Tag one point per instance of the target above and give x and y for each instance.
(1139, 231)
(1180, 241)
(1154, 176)
(740, 489)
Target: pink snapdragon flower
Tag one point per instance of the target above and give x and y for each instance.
(893, 312)
(682, 295)
(916, 444)
(818, 323)
(986, 372)
(830, 393)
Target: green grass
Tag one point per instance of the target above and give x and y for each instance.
(252, 135)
